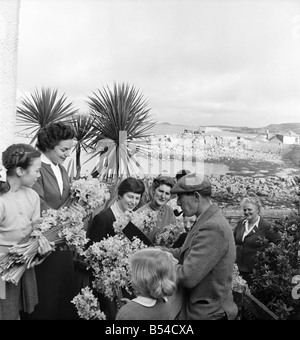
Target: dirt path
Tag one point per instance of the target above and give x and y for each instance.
(290, 155)
(294, 155)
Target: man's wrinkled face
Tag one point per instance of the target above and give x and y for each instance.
(188, 203)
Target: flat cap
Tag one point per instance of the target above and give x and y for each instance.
(190, 183)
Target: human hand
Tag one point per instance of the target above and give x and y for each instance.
(125, 301)
(123, 220)
(128, 215)
(45, 247)
(79, 208)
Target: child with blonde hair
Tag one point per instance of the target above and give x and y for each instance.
(153, 279)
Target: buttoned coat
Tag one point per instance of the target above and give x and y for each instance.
(47, 188)
(55, 275)
(246, 250)
(205, 268)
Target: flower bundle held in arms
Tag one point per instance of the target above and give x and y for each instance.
(109, 261)
(169, 234)
(88, 306)
(145, 220)
(63, 226)
(238, 283)
(90, 193)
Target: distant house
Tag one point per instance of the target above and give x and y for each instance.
(260, 138)
(186, 131)
(208, 129)
(289, 138)
(275, 140)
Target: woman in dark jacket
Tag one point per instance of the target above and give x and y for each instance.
(247, 234)
(55, 276)
(129, 194)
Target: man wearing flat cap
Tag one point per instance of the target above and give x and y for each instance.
(207, 256)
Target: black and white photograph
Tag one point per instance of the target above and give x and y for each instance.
(150, 162)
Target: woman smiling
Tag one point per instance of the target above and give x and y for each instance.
(161, 194)
(247, 235)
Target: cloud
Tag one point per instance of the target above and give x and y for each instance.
(231, 62)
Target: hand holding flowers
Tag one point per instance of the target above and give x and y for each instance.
(44, 249)
(58, 227)
(169, 234)
(55, 228)
(122, 221)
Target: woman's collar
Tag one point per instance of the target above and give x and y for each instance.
(156, 208)
(46, 160)
(145, 301)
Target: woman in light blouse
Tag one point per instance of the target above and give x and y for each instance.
(247, 234)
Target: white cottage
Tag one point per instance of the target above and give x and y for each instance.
(289, 138)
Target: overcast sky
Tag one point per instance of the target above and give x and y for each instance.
(226, 62)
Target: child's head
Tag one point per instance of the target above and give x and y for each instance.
(23, 162)
(153, 273)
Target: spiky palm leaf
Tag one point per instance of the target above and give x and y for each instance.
(82, 125)
(120, 121)
(42, 108)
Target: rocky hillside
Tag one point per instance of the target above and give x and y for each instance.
(274, 191)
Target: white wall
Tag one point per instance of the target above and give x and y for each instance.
(290, 140)
(9, 25)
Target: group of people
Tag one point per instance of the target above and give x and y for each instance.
(203, 260)
(199, 265)
(36, 181)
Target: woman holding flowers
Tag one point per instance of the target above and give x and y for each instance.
(55, 276)
(157, 207)
(19, 208)
(130, 191)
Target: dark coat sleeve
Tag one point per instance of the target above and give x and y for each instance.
(271, 235)
(101, 226)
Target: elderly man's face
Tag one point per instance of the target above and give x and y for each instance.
(188, 203)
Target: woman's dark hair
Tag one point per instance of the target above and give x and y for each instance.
(51, 135)
(160, 180)
(17, 155)
(131, 184)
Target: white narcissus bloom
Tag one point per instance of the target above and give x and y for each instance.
(90, 192)
(88, 306)
(109, 261)
(169, 234)
(238, 283)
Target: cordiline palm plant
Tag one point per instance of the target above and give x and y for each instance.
(82, 125)
(120, 121)
(42, 108)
